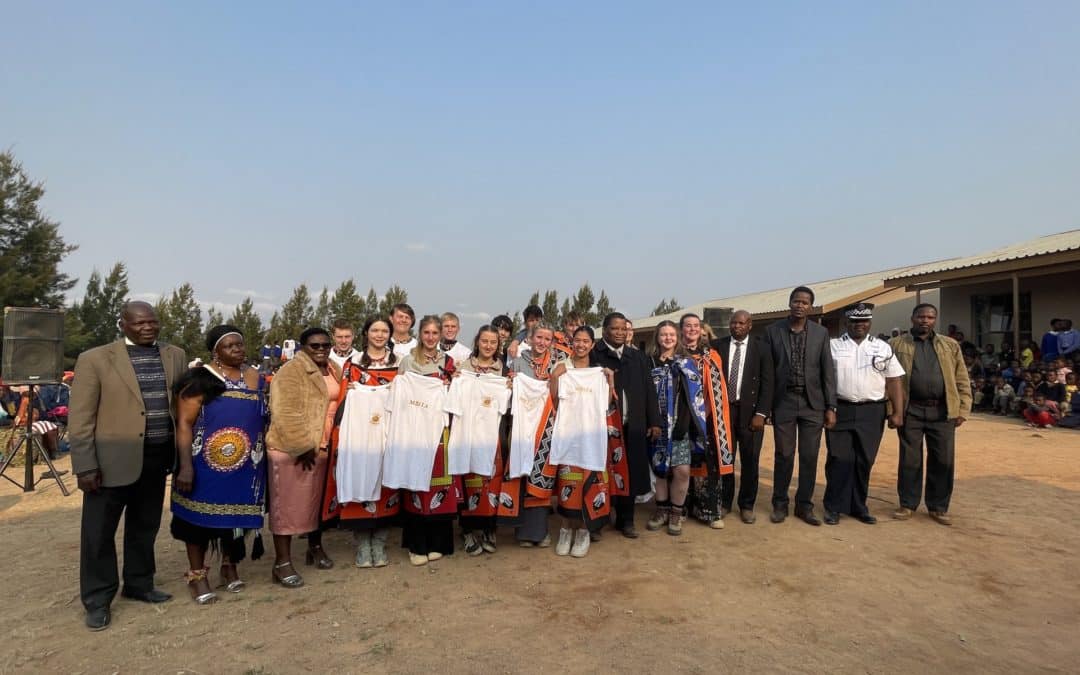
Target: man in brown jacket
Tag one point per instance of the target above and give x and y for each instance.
(938, 395)
(120, 425)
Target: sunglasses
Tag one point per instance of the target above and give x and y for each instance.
(318, 345)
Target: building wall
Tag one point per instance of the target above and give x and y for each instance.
(1052, 296)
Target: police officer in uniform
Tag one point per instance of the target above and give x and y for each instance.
(867, 374)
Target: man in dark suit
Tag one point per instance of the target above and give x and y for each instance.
(640, 411)
(804, 402)
(120, 426)
(748, 368)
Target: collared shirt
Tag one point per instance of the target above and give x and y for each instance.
(798, 357)
(927, 382)
(340, 360)
(862, 368)
(615, 350)
(736, 395)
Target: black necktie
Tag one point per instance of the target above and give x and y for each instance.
(733, 373)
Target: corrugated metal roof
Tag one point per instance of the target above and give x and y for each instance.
(776, 300)
(1052, 243)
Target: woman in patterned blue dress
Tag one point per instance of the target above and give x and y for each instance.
(219, 486)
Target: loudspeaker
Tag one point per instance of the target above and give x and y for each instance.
(33, 346)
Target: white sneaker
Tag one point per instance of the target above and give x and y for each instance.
(581, 543)
(434, 555)
(487, 542)
(563, 547)
(417, 559)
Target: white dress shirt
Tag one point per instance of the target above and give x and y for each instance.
(858, 379)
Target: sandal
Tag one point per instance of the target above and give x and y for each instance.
(316, 556)
(196, 579)
(293, 580)
(231, 576)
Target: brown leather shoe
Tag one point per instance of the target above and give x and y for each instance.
(747, 516)
(941, 517)
(902, 513)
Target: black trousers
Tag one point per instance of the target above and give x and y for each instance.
(794, 421)
(423, 535)
(933, 425)
(852, 448)
(140, 505)
(747, 444)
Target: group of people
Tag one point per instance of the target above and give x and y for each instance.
(410, 427)
(1037, 384)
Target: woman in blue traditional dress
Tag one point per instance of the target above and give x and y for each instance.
(220, 482)
(682, 425)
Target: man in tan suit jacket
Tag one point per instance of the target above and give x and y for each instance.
(120, 426)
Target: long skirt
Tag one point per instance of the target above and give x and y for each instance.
(295, 494)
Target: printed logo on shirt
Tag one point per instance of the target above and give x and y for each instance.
(418, 404)
(376, 418)
(486, 401)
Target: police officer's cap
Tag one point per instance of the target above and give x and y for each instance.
(861, 311)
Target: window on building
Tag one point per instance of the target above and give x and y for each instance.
(992, 319)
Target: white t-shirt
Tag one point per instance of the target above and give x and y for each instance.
(459, 352)
(361, 443)
(402, 350)
(530, 396)
(477, 403)
(417, 418)
(580, 435)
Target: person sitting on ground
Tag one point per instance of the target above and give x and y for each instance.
(1014, 374)
(1041, 413)
(1072, 420)
(982, 395)
(1027, 354)
(1070, 391)
(1003, 396)
(1051, 388)
(988, 358)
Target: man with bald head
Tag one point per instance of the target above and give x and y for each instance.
(748, 368)
(120, 426)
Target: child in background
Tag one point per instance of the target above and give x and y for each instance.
(983, 395)
(1027, 356)
(989, 358)
(1070, 391)
(1041, 413)
(1003, 396)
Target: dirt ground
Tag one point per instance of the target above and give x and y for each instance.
(997, 592)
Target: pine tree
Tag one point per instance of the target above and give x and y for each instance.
(394, 295)
(603, 307)
(31, 248)
(551, 308)
(185, 326)
(101, 305)
(247, 320)
(371, 309)
(214, 317)
(347, 304)
(534, 299)
(583, 302)
(321, 316)
(666, 307)
(295, 315)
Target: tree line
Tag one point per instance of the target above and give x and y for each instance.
(32, 249)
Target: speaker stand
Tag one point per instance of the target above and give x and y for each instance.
(29, 443)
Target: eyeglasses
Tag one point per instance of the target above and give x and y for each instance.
(321, 346)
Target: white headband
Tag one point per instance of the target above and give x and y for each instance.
(232, 332)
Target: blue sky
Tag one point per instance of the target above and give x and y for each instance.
(473, 152)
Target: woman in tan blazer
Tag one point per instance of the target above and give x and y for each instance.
(303, 399)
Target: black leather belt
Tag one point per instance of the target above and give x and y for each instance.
(926, 402)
